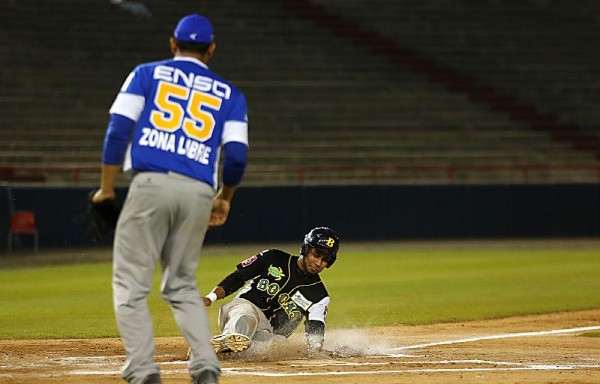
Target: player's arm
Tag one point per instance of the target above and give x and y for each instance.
(222, 205)
(217, 293)
(117, 137)
(235, 144)
(315, 325)
(230, 284)
(315, 335)
(124, 113)
(234, 166)
(246, 270)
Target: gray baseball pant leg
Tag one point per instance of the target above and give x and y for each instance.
(180, 263)
(153, 204)
(241, 316)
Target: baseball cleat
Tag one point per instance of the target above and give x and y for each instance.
(206, 377)
(152, 379)
(233, 342)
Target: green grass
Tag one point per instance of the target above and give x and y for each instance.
(591, 334)
(367, 288)
(429, 287)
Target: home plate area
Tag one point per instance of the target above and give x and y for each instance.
(550, 348)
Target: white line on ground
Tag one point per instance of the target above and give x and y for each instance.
(470, 361)
(384, 372)
(238, 372)
(494, 337)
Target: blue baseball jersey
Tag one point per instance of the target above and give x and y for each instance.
(183, 114)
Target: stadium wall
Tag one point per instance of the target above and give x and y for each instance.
(273, 214)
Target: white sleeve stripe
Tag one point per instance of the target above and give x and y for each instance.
(319, 310)
(235, 131)
(128, 105)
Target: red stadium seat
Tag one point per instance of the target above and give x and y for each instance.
(22, 223)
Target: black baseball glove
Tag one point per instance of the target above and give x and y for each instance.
(102, 217)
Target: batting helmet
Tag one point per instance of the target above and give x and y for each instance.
(324, 239)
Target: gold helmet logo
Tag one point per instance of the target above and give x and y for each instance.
(330, 242)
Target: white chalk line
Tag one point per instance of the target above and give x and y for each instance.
(495, 337)
(420, 370)
(414, 362)
(517, 367)
(504, 366)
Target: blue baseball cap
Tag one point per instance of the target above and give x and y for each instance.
(195, 29)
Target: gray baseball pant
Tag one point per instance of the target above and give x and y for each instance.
(164, 220)
(241, 316)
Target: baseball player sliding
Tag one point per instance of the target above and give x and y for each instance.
(282, 291)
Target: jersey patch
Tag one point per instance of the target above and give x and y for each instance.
(249, 261)
(276, 272)
(301, 301)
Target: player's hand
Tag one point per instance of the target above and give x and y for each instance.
(220, 212)
(207, 301)
(102, 195)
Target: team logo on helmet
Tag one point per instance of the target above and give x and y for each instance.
(276, 272)
(330, 242)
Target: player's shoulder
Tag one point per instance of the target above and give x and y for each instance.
(146, 69)
(152, 64)
(314, 288)
(264, 257)
(274, 253)
(234, 89)
(319, 288)
(276, 257)
(216, 77)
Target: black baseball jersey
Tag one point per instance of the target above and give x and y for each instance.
(280, 289)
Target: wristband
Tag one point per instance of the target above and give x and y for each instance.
(212, 297)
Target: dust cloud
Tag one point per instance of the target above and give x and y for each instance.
(341, 343)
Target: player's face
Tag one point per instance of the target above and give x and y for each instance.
(314, 261)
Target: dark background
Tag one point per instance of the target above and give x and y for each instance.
(355, 212)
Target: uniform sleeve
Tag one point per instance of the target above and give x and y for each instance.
(255, 265)
(232, 282)
(124, 113)
(234, 166)
(318, 311)
(235, 142)
(116, 139)
(239, 109)
(131, 98)
(246, 270)
(235, 127)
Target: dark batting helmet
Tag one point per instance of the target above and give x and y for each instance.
(325, 240)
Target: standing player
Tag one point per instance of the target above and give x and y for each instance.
(283, 290)
(177, 114)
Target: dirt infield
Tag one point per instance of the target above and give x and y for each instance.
(551, 348)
